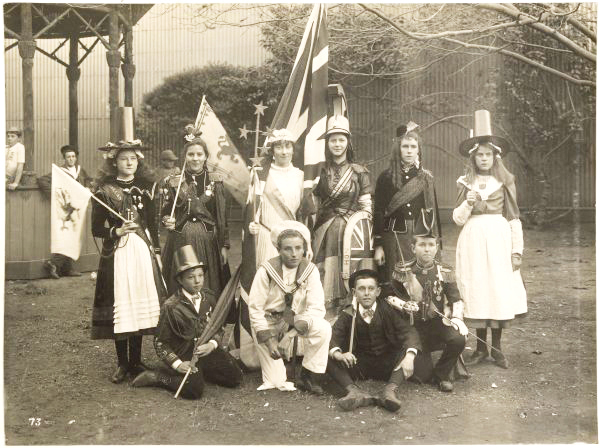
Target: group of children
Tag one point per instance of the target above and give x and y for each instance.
(404, 307)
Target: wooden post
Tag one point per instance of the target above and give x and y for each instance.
(113, 57)
(27, 51)
(73, 73)
(128, 66)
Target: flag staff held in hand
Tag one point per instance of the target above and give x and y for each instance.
(193, 131)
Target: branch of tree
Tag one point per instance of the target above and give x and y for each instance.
(577, 49)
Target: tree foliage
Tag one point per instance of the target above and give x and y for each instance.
(230, 91)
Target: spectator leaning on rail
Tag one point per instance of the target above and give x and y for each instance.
(15, 157)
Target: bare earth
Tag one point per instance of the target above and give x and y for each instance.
(57, 387)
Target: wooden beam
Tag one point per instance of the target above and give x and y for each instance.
(51, 24)
(59, 47)
(27, 51)
(128, 66)
(13, 45)
(40, 13)
(51, 56)
(73, 74)
(11, 32)
(87, 50)
(91, 28)
(113, 58)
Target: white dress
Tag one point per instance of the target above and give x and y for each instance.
(493, 293)
(286, 184)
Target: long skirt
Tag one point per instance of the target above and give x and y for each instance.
(328, 256)
(207, 250)
(136, 298)
(493, 293)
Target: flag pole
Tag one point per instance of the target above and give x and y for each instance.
(197, 125)
(108, 208)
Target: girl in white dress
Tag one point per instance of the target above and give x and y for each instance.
(490, 245)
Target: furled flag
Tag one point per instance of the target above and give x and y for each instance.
(69, 201)
(224, 157)
(242, 333)
(303, 107)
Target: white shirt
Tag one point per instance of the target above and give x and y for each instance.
(289, 275)
(14, 155)
(362, 310)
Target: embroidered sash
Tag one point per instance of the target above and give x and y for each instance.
(410, 190)
(339, 187)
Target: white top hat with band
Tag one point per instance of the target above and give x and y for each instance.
(289, 225)
(482, 133)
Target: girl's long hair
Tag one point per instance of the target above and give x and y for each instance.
(108, 172)
(499, 171)
(349, 149)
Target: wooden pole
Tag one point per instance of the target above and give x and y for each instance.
(128, 67)
(113, 57)
(73, 73)
(27, 51)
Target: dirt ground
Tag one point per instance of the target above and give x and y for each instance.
(57, 388)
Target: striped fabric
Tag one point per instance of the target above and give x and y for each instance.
(303, 107)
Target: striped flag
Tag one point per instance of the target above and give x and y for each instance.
(303, 107)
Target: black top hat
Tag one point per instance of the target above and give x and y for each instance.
(69, 148)
(425, 223)
(482, 133)
(185, 259)
(366, 266)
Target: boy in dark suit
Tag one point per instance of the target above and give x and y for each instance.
(384, 345)
(183, 318)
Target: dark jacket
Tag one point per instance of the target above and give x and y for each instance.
(389, 331)
(180, 326)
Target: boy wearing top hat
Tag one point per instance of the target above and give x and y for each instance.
(15, 157)
(374, 341)
(430, 285)
(183, 319)
(287, 291)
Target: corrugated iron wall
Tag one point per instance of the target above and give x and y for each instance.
(166, 41)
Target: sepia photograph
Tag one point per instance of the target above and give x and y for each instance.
(300, 224)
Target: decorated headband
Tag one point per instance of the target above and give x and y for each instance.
(476, 147)
(404, 129)
(191, 133)
(112, 149)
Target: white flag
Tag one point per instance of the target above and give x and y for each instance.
(224, 157)
(69, 202)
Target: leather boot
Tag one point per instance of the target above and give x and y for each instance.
(51, 269)
(119, 375)
(388, 398)
(151, 378)
(309, 382)
(355, 398)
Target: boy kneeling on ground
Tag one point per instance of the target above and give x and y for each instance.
(183, 318)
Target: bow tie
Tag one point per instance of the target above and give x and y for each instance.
(368, 314)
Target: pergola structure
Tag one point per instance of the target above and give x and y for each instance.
(110, 24)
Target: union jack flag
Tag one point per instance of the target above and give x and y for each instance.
(303, 107)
